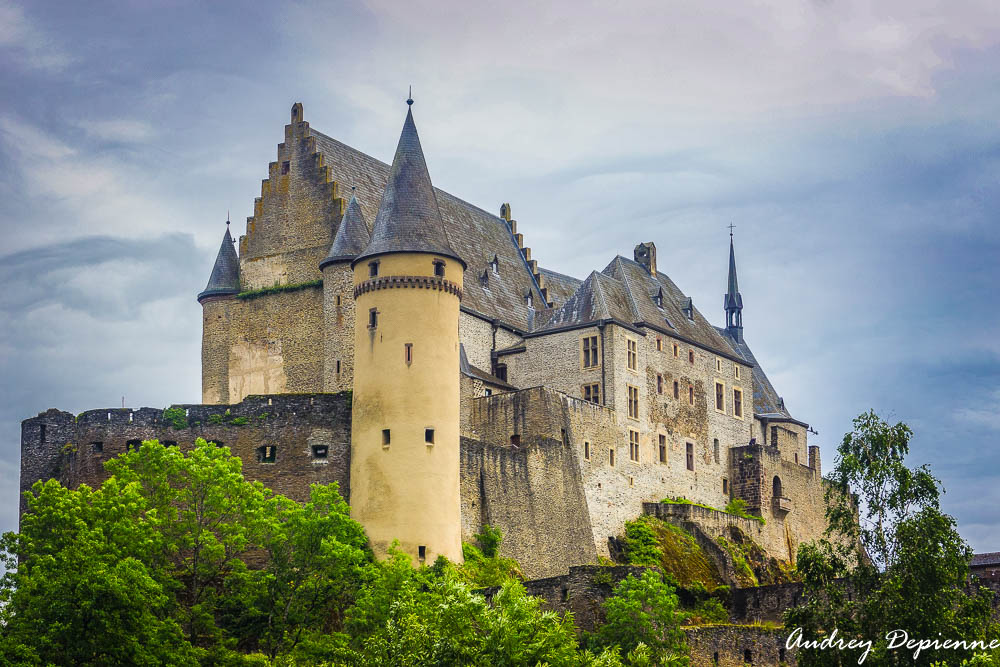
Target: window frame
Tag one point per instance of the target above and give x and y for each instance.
(662, 452)
(594, 389)
(590, 347)
(633, 445)
(631, 354)
(633, 403)
(738, 410)
(689, 458)
(373, 268)
(720, 395)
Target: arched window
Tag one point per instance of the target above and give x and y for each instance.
(777, 487)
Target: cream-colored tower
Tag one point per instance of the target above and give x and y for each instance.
(405, 429)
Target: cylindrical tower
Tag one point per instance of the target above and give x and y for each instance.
(405, 429)
(216, 304)
(351, 239)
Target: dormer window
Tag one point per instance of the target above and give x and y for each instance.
(484, 279)
(439, 268)
(688, 308)
(658, 298)
(372, 269)
(529, 300)
(495, 265)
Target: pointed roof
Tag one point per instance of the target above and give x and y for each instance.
(225, 278)
(352, 236)
(598, 298)
(408, 218)
(733, 298)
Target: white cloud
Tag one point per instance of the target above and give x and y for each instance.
(121, 130)
(25, 43)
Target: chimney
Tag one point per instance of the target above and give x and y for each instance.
(645, 254)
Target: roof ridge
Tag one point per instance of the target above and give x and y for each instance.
(628, 289)
(600, 294)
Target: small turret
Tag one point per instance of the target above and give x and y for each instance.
(338, 299)
(217, 301)
(732, 300)
(225, 278)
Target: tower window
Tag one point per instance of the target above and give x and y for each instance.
(429, 436)
(422, 552)
(718, 364)
(677, 389)
(372, 269)
(737, 370)
(690, 456)
(488, 392)
(586, 450)
(338, 366)
(592, 393)
(659, 344)
(386, 438)
(439, 269)
(611, 456)
(738, 403)
(320, 451)
(408, 353)
(677, 350)
(715, 446)
(663, 448)
(690, 356)
(564, 436)
(515, 440)
(659, 383)
(725, 486)
(372, 318)
(633, 402)
(338, 301)
(267, 454)
(285, 167)
(97, 447)
(691, 394)
(720, 397)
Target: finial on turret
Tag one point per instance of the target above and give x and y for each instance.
(409, 97)
(731, 225)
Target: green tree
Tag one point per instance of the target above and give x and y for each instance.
(894, 560)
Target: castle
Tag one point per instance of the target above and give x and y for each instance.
(373, 330)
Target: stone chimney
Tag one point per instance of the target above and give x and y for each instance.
(645, 254)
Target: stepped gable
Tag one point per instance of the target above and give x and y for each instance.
(560, 286)
(671, 318)
(225, 278)
(598, 298)
(474, 234)
(352, 236)
(766, 402)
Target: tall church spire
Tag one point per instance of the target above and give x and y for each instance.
(733, 301)
(408, 219)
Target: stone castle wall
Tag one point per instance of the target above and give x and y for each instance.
(338, 327)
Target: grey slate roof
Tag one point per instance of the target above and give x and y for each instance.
(985, 560)
(599, 297)
(560, 287)
(352, 236)
(225, 278)
(408, 218)
(473, 233)
(473, 372)
(733, 298)
(766, 401)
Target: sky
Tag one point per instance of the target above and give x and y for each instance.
(854, 145)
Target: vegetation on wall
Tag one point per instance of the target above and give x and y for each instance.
(736, 507)
(650, 541)
(276, 289)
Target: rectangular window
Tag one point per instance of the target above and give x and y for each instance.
(439, 269)
(659, 344)
(372, 269)
(720, 397)
(285, 166)
(267, 454)
(586, 450)
(408, 353)
(632, 354)
(338, 366)
(718, 364)
(564, 436)
(422, 552)
(338, 301)
(663, 448)
(677, 350)
(97, 447)
(690, 456)
(515, 440)
(372, 318)
(659, 383)
(715, 446)
(725, 486)
(737, 370)
(633, 445)
(501, 372)
(738, 403)
(489, 392)
(677, 389)
(611, 456)
(319, 451)
(429, 436)
(774, 436)
(592, 393)
(633, 402)
(386, 438)
(691, 394)
(590, 357)
(691, 357)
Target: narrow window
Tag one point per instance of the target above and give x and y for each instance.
(372, 318)
(266, 454)
(586, 450)
(690, 456)
(720, 397)
(439, 269)
(529, 300)
(737, 370)
(611, 456)
(690, 356)
(632, 355)
(715, 447)
(489, 392)
(715, 658)
(776, 487)
(781, 654)
(495, 265)
(133, 445)
(691, 394)
(41, 431)
(422, 552)
(338, 301)
(589, 351)
(372, 269)
(718, 364)
(285, 166)
(320, 451)
(386, 437)
(659, 344)
(774, 436)
(565, 438)
(631, 481)
(515, 440)
(725, 486)
(738, 403)
(408, 353)
(592, 393)
(677, 389)
(633, 445)
(97, 447)
(501, 372)
(748, 657)
(633, 402)
(663, 448)
(659, 383)
(429, 436)
(796, 457)
(338, 366)
(677, 350)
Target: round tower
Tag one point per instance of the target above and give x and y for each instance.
(216, 304)
(351, 239)
(405, 428)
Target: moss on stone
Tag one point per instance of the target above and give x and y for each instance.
(677, 552)
(264, 291)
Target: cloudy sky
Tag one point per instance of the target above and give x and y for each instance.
(855, 146)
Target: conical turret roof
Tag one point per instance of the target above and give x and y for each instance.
(408, 218)
(352, 236)
(225, 279)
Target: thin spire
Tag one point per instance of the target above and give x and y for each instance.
(733, 301)
(225, 278)
(408, 218)
(409, 97)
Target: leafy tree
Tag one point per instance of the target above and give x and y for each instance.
(894, 560)
(645, 612)
(484, 566)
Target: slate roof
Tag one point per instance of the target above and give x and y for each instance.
(352, 236)
(474, 234)
(766, 401)
(225, 278)
(472, 371)
(599, 297)
(408, 218)
(985, 560)
(733, 299)
(560, 287)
